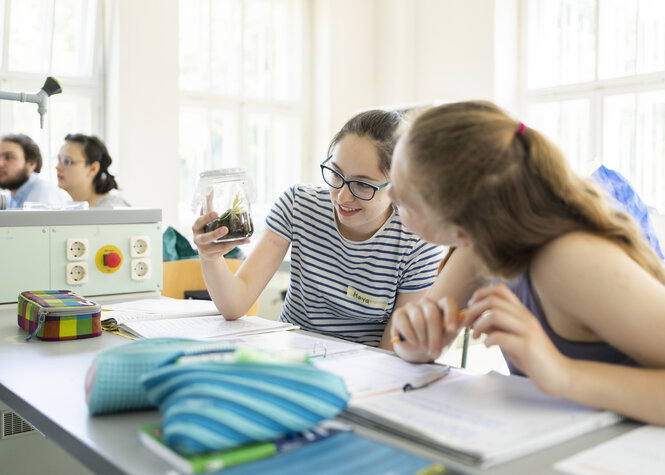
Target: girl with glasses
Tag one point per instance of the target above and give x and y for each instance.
(352, 260)
(83, 172)
(547, 269)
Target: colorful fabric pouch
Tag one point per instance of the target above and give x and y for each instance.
(56, 315)
(113, 380)
(214, 405)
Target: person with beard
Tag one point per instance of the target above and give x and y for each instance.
(20, 164)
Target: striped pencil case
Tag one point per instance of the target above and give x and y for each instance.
(56, 315)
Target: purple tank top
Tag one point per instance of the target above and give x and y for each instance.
(601, 352)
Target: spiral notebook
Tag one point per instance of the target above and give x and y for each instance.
(481, 420)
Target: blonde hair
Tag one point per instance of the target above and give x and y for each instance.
(511, 189)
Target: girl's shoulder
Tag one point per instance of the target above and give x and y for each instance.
(578, 256)
(112, 200)
(577, 244)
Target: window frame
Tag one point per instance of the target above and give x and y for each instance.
(595, 90)
(243, 106)
(91, 88)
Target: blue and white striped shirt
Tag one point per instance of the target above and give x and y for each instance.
(344, 288)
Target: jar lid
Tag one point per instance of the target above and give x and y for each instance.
(221, 175)
(223, 172)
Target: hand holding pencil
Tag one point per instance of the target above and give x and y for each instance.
(422, 329)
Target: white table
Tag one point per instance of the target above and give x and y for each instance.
(44, 383)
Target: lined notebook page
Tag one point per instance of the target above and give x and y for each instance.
(161, 308)
(371, 372)
(492, 418)
(207, 327)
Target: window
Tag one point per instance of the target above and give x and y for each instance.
(58, 38)
(241, 83)
(594, 82)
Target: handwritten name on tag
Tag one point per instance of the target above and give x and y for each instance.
(366, 299)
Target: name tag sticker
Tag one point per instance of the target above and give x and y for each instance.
(366, 299)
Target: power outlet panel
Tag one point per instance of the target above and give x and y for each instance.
(122, 279)
(139, 246)
(140, 269)
(57, 250)
(77, 273)
(77, 249)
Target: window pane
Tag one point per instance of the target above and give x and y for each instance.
(30, 36)
(287, 43)
(2, 39)
(259, 154)
(616, 56)
(544, 117)
(578, 41)
(619, 134)
(73, 37)
(194, 39)
(225, 50)
(567, 125)
(224, 151)
(651, 36)
(650, 168)
(561, 42)
(194, 151)
(258, 65)
(287, 161)
(69, 114)
(543, 45)
(575, 131)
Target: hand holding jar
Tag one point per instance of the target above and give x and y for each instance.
(225, 220)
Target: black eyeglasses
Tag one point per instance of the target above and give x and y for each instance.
(360, 189)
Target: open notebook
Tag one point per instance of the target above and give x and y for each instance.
(477, 419)
(196, 319)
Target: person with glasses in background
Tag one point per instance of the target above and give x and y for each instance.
(353, 262)
(20, 164)
(83, 171)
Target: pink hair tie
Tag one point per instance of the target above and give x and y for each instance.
(520, 131)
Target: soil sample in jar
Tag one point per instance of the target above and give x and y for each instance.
(237, 219)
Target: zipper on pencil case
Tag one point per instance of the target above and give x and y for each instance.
(44, 314)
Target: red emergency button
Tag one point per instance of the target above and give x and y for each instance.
(112, 259)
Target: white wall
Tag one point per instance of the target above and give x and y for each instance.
(405, 52)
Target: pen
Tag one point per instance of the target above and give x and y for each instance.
(427, 379)
(399, 338)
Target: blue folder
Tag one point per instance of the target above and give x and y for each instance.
(346, 452)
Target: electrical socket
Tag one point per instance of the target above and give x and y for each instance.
(77, 249)
(139, 246)
(77, 273)
(140, 269)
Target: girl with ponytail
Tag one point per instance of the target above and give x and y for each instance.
(563, 283)
(83, 171)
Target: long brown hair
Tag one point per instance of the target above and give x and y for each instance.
(512, 191)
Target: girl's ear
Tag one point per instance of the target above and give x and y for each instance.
(94, 168)
(463, 238)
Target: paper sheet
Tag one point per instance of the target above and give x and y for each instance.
(315, 347)
(638, 451)
(161, 308)
(207, 327)
(371, 372)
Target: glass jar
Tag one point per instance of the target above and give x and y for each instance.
(226, 191)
